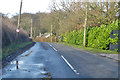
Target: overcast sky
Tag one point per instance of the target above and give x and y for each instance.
(30, 6)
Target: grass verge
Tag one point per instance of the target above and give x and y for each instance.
(12, 48)
(93, 50)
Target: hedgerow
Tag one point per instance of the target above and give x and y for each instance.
(96, 37)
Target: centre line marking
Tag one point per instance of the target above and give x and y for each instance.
(69, 65)
(50, 45)
(54, 49)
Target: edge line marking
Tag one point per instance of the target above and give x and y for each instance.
(70, 65)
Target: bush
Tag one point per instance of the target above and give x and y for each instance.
(99, 37)
(96, 37)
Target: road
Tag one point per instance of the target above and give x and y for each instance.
(61, 62)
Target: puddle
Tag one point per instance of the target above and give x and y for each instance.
(19, 62)
(30, 67)
(27, 67)
(43, 72)
(38, 65)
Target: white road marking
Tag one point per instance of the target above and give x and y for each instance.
(77, 73)
(49, 43)
(54, 49)
(69, 65)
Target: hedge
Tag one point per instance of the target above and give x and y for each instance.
(96, 37)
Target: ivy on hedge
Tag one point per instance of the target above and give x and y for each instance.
(96, 37)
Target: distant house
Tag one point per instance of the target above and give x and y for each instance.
(46, 35)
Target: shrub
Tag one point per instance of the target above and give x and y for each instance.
(96, 37)
(99, 37)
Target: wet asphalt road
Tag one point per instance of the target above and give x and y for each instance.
(62, 62)
(88, 65)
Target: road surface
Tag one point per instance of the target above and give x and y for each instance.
(61, 62)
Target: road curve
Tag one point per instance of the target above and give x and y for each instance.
(87, 65)
(62, 62)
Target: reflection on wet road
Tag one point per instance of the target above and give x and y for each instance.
(28, 67)
(59, 61)
(37, 62)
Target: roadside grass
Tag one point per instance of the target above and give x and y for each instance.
(93, 50)
(12, 48)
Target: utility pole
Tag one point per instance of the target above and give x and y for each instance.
(40, 34)
(85, 27)
(19, 17)
(51, 32)
(31, 28)
(19, 21)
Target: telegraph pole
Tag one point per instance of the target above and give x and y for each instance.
(51, 32)
(19, 17)
(85, 27)
(19, 21)
(40, 34)
(31, 28)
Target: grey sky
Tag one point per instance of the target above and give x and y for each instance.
(30, 6)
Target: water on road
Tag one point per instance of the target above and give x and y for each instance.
(59, 61)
